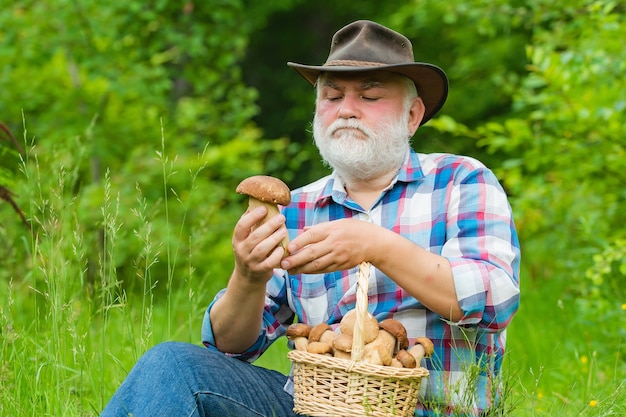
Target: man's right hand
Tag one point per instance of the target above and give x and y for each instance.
(257, 250)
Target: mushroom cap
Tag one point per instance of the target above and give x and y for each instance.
(429, 348)
(298, 330)
(343, 342)
(370, 327)
(396, 329)
(317, 331)
(265, 188)
(406, 359)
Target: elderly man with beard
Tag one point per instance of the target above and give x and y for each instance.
(436, 229)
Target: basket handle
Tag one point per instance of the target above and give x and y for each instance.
(362, 277)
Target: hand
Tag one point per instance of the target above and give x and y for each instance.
(256, 249)
(331, 246)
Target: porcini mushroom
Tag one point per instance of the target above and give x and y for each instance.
(267, 191)
(322, 333)
(299, 333)
(342, 346)
(406, 359)
(370, 326)
(423, 348)
(373, 353)
(391, 337)
(319, 348)
(397, 330)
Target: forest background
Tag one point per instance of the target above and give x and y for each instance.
(126, 127)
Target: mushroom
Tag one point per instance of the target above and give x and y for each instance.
(423, 348)
(406, 359)
(299, 333)
(267, 191)
(319, 348)
(343, 346)
(322, 333)
(370, 326)
(396, 329)
(391, 337)
(373, 353)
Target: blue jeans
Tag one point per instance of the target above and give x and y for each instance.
(180, 379)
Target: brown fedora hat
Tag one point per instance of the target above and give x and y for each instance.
(367, 46)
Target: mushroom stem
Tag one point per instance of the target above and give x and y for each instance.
(320, 348)
(300, 343)
(423, 349)
(272, 210)
(417, 352)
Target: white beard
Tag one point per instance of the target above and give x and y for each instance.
(357, 157)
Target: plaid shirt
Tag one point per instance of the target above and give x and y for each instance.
(450, 205)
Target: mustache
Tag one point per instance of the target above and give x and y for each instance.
(349, 124)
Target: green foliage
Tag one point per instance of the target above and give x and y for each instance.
(561, 147)
(130, 66)
(603, 294)
(110, 84)
(566, 147)
(480, 45)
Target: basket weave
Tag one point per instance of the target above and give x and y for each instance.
(326, 386)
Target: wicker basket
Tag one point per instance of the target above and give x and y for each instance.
(326, 386)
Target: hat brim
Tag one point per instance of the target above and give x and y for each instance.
(430, 80)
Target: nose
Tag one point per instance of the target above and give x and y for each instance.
(349, 107)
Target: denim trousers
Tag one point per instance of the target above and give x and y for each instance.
(181, 379)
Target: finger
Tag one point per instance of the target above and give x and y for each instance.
(319, 265)
(271, 225)
(247, 222)
(311, 234)
(266, 247)
(310, 254)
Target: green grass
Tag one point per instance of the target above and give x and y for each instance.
(559, 364)
(64, 353)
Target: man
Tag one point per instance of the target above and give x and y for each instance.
(437, 230)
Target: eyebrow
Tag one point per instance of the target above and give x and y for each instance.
(367, 85)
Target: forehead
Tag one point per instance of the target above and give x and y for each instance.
(363, 80)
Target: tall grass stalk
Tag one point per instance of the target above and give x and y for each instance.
(173, 249)
(143, 267)
(166, 167)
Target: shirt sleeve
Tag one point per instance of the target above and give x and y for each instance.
(277, 315)
(483, 250)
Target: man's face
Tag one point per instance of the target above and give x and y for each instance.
(363, 123)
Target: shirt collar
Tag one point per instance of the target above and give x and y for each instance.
(410, 171)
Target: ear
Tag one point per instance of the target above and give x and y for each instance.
(416, 114)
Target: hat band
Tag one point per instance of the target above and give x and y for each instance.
(352, 63)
